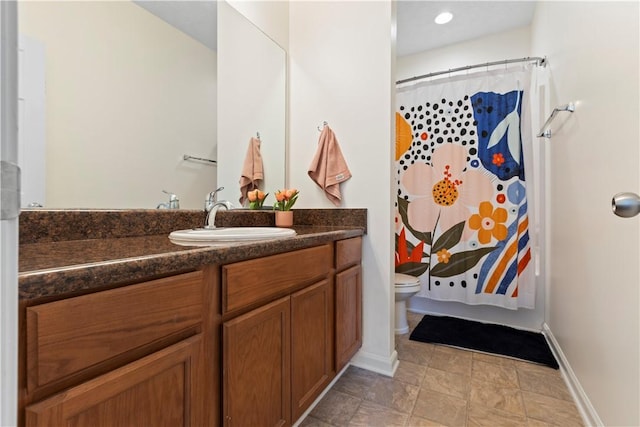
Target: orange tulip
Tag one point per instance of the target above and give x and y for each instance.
(290, 193)
(252, 195)
(285, 199)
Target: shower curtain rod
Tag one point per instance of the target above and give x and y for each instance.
(537, 59)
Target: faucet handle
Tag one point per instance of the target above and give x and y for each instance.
(173, 203)
(211, 197)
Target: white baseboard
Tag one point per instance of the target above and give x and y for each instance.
(373, 362)
(587, 411)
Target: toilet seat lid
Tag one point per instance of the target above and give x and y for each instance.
(405, 279)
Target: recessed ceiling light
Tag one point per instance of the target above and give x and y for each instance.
(443, 18)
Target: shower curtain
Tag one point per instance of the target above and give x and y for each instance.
(462, 222)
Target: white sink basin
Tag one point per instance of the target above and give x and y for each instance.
(206, 237)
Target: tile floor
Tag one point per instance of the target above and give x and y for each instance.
(442, 386)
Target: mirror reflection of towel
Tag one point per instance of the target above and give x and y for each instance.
(328, 168)
(252, 172)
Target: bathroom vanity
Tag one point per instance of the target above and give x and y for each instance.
(134, 330)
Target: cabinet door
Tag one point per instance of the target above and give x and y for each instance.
(311, 344)
(257, 367)
(158, 390)
(348, 315)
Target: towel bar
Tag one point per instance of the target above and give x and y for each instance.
(188, 157)
(546, 133)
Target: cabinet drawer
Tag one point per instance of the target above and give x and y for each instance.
(348, 251)
(67, 336)
(247, 282)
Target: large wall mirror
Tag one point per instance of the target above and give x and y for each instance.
(251, 101)
(112, 96)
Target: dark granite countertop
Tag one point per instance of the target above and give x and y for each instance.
(50, 269)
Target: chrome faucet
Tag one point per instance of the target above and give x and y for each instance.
(211, 206)
(173, 202)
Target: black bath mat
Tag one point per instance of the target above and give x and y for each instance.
(495, 339)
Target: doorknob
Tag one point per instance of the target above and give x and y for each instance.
(626, 205)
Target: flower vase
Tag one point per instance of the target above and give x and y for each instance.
(284, 218)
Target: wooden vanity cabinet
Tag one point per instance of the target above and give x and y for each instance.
(248, 343)
(136, 355)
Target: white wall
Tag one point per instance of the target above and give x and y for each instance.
(127, 96)
(509, 44)
(506, 45)
(341, 71)
(593, 51)
(251, 99)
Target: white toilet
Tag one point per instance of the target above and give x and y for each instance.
(405, 287)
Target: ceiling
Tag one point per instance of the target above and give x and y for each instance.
(195, 18)
(416, 30)
(471, 19)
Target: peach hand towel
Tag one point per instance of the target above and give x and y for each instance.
(252, 172)
(328, 168)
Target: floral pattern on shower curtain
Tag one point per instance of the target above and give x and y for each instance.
(462, 222)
